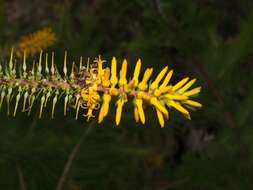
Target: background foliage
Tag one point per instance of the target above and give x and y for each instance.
(207, 39)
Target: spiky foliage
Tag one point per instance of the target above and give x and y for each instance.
(86, 87)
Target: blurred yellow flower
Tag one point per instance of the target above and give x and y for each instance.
(35, 42)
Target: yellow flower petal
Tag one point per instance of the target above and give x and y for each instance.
(106, 80)
(114, 79)
(137, 72)
(187, 86)
(167, 79)
(180, 84)
(176, 97)
(160, 118)
(123, 71)
(193, 103)
(178, 107)
(143, 84)
(159, 77)
(120, 103)
(154, 101)
(136, 114)
(192, 92)
(138, 103)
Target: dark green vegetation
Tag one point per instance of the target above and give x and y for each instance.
(207, 39)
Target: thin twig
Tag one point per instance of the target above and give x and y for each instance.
(71, 157)
(21, 177)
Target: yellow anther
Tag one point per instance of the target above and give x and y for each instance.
(114, 79)
(159, 77)
(143, 84)
(123, 71)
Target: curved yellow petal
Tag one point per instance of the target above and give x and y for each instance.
(154, 101)
(180, 84)
(160, 118)
(123, 71)
(138, 103)
(147, 74)
(176, 97)
(120, 103)
(187, 86)
(167, 79)
(192, 92)
(159, 77)
(136, 114)
(114, 79)
(178, 107)
(193, 103)
(137, 72)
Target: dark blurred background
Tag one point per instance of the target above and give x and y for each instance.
(207, 39)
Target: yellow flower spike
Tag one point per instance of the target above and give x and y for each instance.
(114, 79)
(160, 118)
(143, 84)
(120, 103)
(154, 101)
(159, 77)
(178, 107)
(137, 72)
(180, 84)
(192, 92)
(106, 80)
(187, 86)
(123, 72)
(193, 103)
(136, 114)
(138, 103)
(166, 80)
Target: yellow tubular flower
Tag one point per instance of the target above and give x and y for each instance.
(138, 103)
(193, 103)
(136, 114)
(100, 62)
(187, 86)
(123, 72)
(143, 84)
(192, 92)
(106, 80)
(180, 84)
(154, 101)
(105, 107)
(137, 72)
(166, 80)
(120, 103)
(160, 118)
(176, 97)
(159, 77)
(114, 79)
(178, 107)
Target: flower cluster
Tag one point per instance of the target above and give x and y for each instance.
(93, 87)
(159, 93)
(35, 42)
